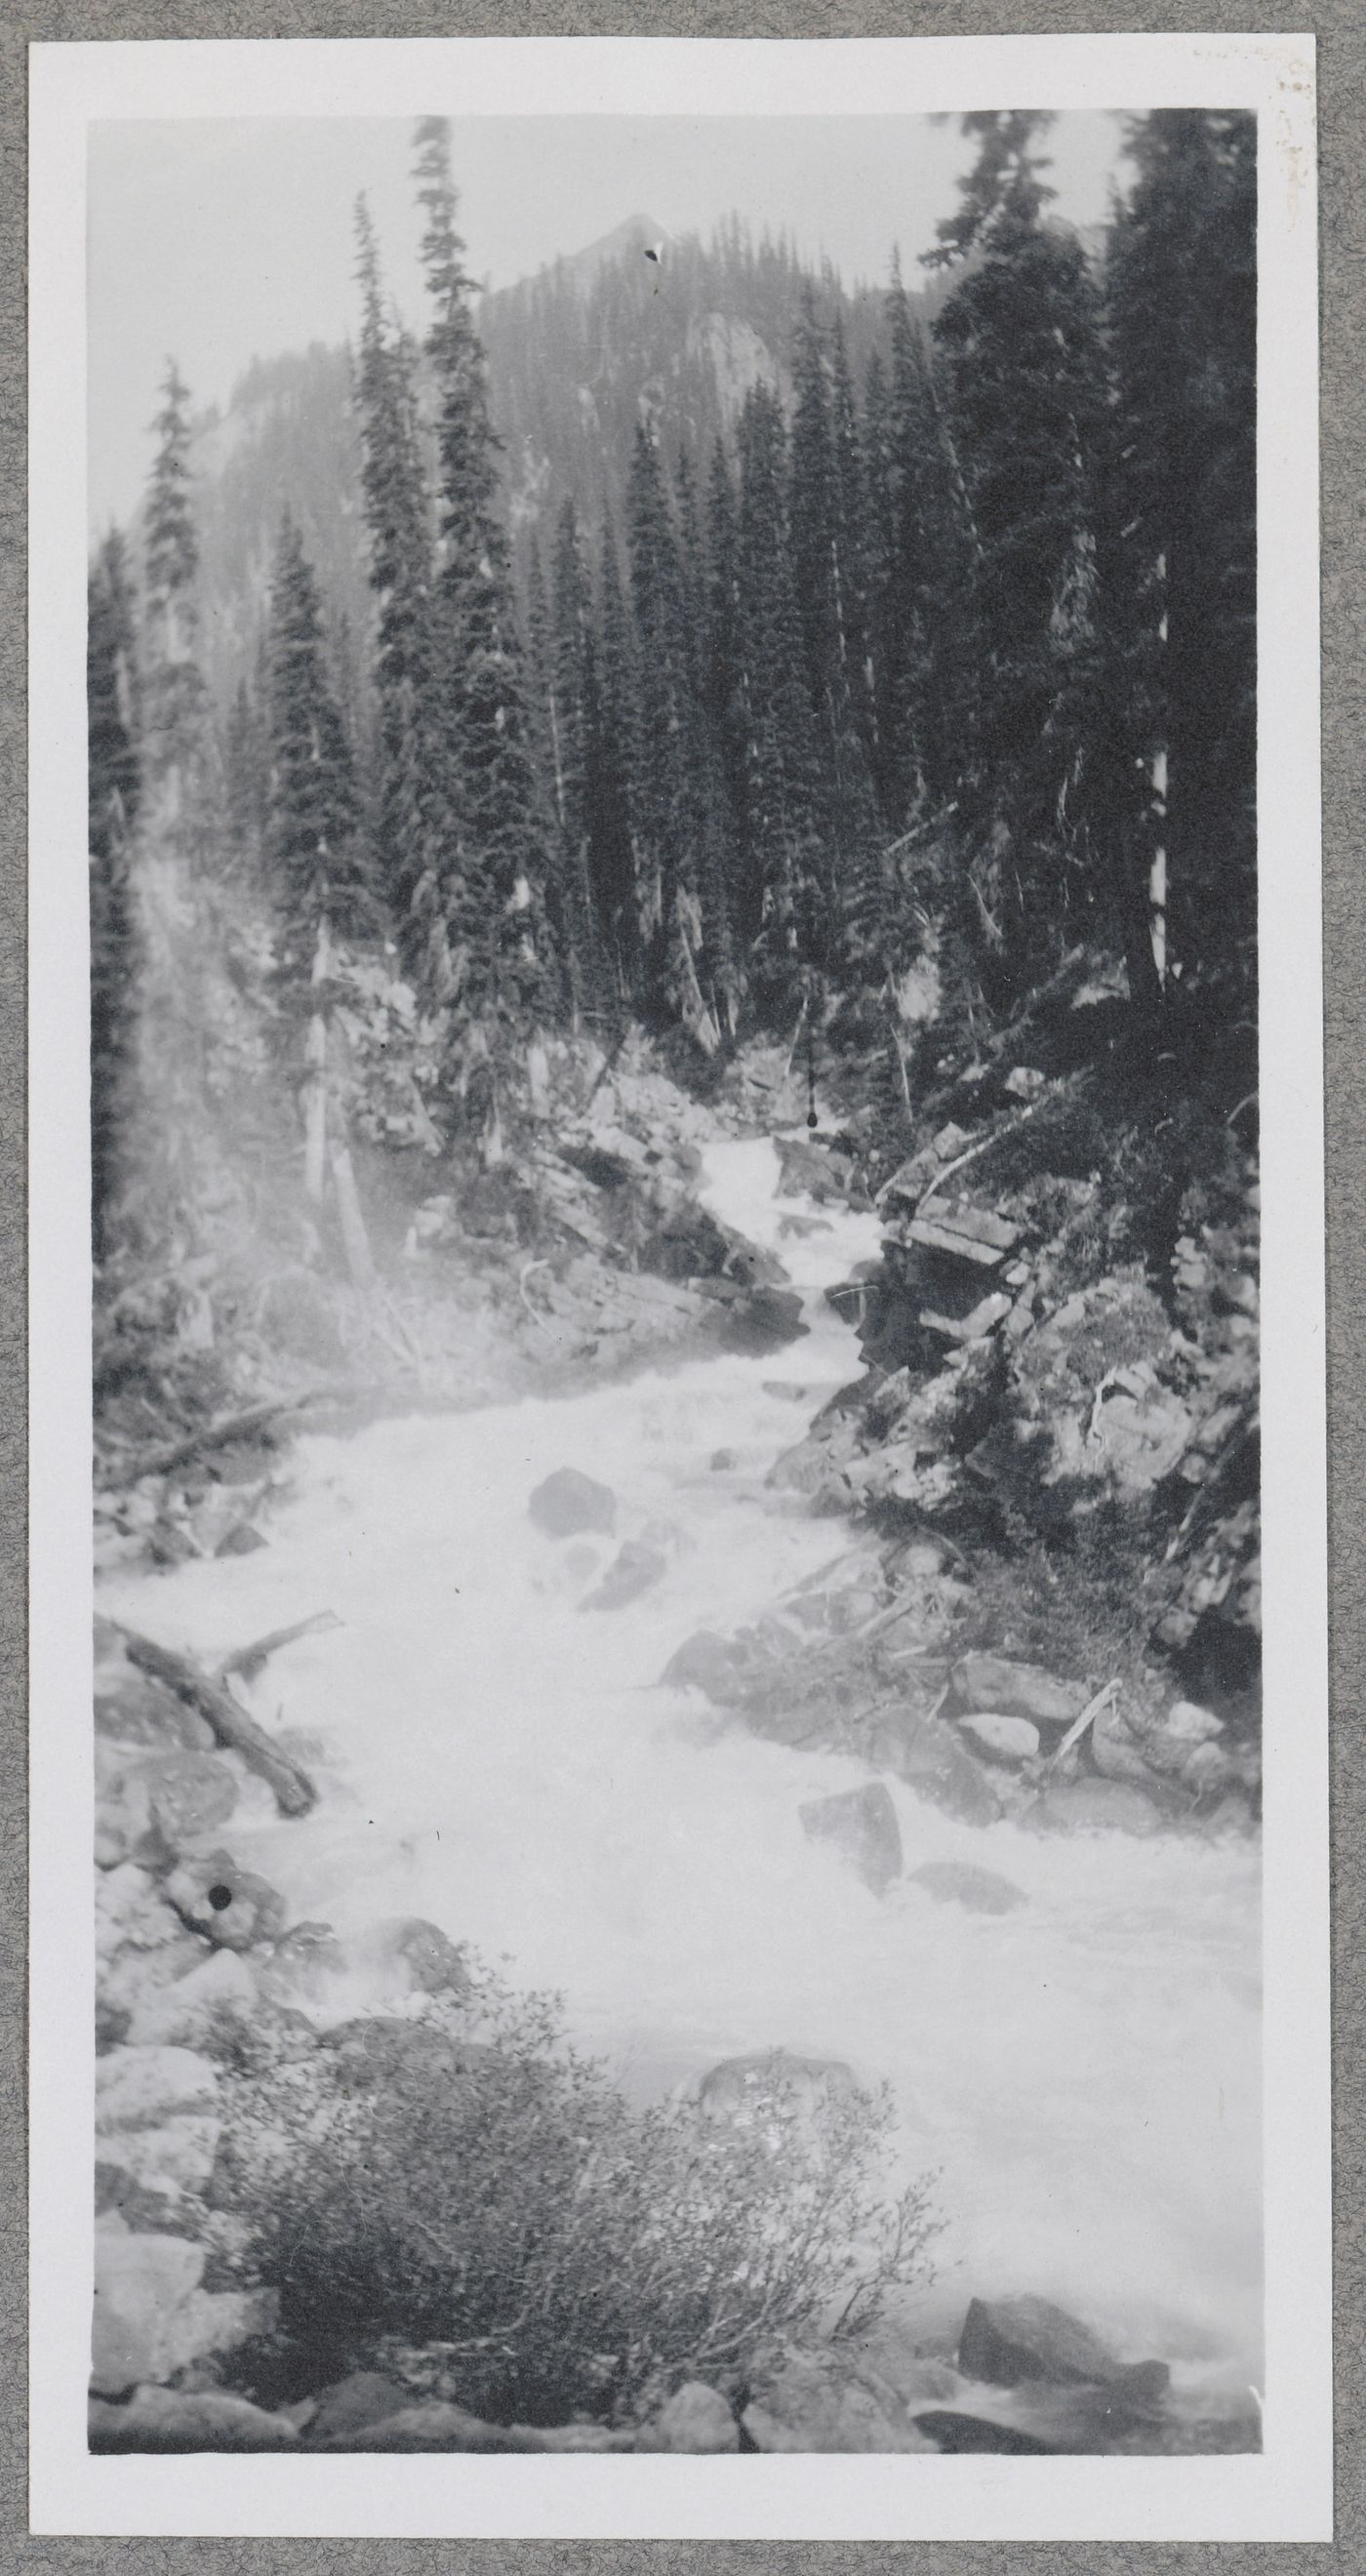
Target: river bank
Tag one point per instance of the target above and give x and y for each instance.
(497, 1757)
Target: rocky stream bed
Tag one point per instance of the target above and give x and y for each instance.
(665, 1686)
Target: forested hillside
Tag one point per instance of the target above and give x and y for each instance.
(676, 644)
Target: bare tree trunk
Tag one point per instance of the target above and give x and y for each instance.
(315, 1101)
(360, 1258)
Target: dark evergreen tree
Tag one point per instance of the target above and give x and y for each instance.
(175, 740)
(1021, 348)
(574, 897)
(611, 773)
(414, 827)
(114, 786)
(785, 892)
(492, 898)
(246, 767)
(317, 862)
(663, 786)
(1181, 586)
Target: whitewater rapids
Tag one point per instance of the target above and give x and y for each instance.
(1083, 2074)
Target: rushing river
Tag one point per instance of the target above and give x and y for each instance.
(1083, 2073)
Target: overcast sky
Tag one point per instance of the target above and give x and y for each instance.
(220, 241)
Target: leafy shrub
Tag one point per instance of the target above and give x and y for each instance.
(493, 2219)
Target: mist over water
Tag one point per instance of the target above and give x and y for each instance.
(1083, 2074)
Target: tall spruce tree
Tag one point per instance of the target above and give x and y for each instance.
(1182, 547)
(176, 747)
(612, 776)
(114, 781)
(786, 892)
(1021, 347)
(492, 898)
(663, 798)
(414, 826)
(317, 862)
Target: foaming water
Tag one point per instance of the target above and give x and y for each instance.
(1083, 2073)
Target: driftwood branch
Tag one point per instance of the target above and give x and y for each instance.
(220, 1435)
(248, 1660)
(294, 1791)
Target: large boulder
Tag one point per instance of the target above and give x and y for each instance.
(823, 2400)
(152, 2317)
(997, 1682)
(634, 1569)
(420, 1956)
(229, 1906)
(148, 1806)
(1009, 2340)
(201, 2010)
(174, 2419)
(567, 1503)
(772, 2089)
(861, 1826)
(933, 1760)
(696, 2419)
(1002, 1739)
(719, 1667)
(301, 1966)
(364, 2397)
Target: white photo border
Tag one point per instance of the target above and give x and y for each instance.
(1286, 2492)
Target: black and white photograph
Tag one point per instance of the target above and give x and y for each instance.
(681, 983)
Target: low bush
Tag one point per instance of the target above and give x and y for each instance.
(492, 2219)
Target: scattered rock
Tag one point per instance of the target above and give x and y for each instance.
(430, 1962)
(302, 1964)
(1008, 2340)
(156, 2115)
(1002, 1739)
(243, 1539)
(569, 1502)
(824, 2401)
(961, 1883)
(862, 1825)
(952, 2429)
(436, 2425)
(717, 1666)
(152, 2318)
(364, 2397)
(198, 2009)
(635, 1567)
(813, 1172)
(697, 2418)
(229, 1906)
(933, 1760)
(1094, 1806)
(721, 1459)
(1017, 1690)
(151, 1805)
(170, 2419)
(773, 2086)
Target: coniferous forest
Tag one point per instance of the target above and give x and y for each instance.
(682, 707)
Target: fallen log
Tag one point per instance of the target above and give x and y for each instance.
(248, 1660)
(294, 1791)
(218, 1435)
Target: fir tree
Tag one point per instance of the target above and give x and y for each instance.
(492, 898)
(1182, 546)
(175, 745)
(611, 775)
(316, 858)
(1020, 340)
(114, 782)
(413, 823)
(787, 899)
(663, 797)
